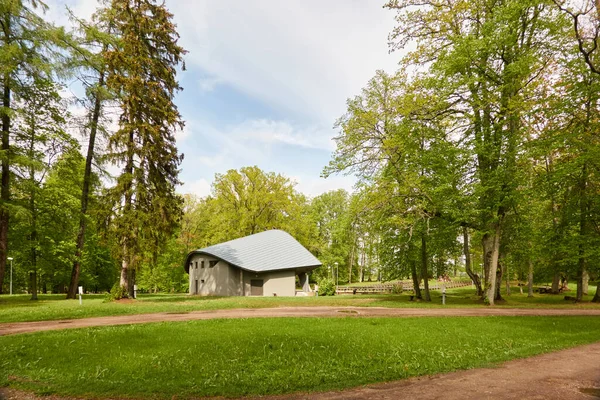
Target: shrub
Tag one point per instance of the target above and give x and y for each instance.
(117, 292)
(397, 289)
(326, 287)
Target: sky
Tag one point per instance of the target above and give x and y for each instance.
(266, 80)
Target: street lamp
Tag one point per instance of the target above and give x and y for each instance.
(10, 259)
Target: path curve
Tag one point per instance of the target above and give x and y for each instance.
(572, 374)
(28, 327)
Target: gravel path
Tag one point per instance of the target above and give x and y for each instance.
(27, 327)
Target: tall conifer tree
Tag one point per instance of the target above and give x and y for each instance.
(141, 70)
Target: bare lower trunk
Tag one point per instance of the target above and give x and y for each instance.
(586, 283)
(124, 278)
(415, 279)
(596, 298)
(493, 267)
(507, 275)
(424, 269)
(555, 283)
(499, 275)
(351, 264)
(5, 169)
(33, 284)
(474, 276)
(530, 280)
(488, 246)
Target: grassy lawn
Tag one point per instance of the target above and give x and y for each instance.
(20, 308)
(268, 356)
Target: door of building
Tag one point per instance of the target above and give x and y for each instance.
(196, 291)
(256, 287)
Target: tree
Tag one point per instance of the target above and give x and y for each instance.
(40, 139)
(26, 55)
(490, 55)
(141, 70)
(87, 58)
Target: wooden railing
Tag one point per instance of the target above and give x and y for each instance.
(389, 287)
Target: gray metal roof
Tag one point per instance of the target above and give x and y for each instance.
(265, 251)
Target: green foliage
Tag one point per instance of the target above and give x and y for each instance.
(273, 356)
(326, 287)
(117, 292)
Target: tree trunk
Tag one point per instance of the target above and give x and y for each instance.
(5, 170)
(505, 271)
(123, 280)
(493, 267)
(85, 194)
(33, 284)
(351, 264)
(499, 275)
(415, 279)
(555, 283)
(596, 298)
(474, 276)
(582, 232)
(424, 269)
(530, 280)
(488, 246)
(586, 283)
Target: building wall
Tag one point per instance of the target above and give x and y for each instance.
(281, 283)
(226, 280)
(219, 280)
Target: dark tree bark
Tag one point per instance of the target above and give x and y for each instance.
(596, 298)
(415, 279)
(555, 283)
(474, 276)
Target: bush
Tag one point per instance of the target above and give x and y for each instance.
(326, 287)
(397, 289)
(117, 292)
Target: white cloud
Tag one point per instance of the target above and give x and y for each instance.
(200, 188)
(208, 84)
(305, 56)
(269, 132)
(313, 187)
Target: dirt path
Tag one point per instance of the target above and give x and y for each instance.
(567, 375)
(27, 327)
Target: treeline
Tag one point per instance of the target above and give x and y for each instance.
(489, 132)
(64, 221)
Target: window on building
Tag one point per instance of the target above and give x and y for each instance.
(202, 264)
(212, 263)
(201, 280)
(196, 264)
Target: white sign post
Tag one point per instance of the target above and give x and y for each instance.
(444, 294)
(135, 291)
(80, 293)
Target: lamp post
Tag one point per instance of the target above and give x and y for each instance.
(10, 259)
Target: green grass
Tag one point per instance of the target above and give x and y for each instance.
(51, 307)
(269, 356)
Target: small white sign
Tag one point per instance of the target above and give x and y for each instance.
(80, 289)
(134, 287)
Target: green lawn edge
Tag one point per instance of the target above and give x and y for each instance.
(273, 356)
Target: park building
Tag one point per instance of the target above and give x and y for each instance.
(263, 264)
